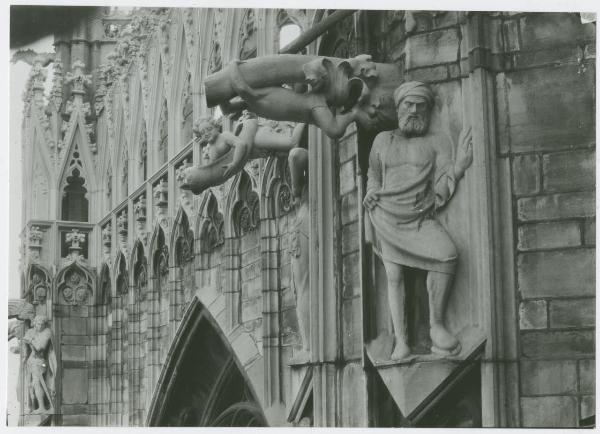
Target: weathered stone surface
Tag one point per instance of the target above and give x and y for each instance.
(572, 313)
(354, 395)
(347, 146)
(351, 275)
(77, 420)
(526, 174)
(554, 206)
(73, 353)
(347, 177)
(74, 386)
(542, 116)
(428, 74)
(349, 208)
(549, 235)
(548, 377)
(441, 46)
(589, 232)
(98, 388)
(350, 238)
(549, 411)
(547, 30)
(568, 171)
(533, 315)
(352, 335)
(588, 406)
(256, 375)
(244, 347)
(556, 273)
(78, 340)
(543, 344)
(545, 57)
(587, 376)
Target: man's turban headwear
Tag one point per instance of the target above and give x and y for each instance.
(413, 88)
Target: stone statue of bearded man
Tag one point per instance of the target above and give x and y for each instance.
(412, 174)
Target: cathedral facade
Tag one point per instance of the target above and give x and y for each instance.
(261, 300)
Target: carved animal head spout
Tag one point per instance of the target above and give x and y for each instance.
(414, 101)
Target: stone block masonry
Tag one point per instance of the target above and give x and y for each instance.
(545, 126)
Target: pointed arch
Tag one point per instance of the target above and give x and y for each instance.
(118, 366)
(38, 284)
(138, 258)
(77, 180)
(104, 286)
(244, 212)
(121, 275)
(276, 188)
(39, 196)
(157, 242)
(138, 311)
(247, 38)
(182, 238)
(187, 396)
(159, 306)
(75, 285)
(210, 224)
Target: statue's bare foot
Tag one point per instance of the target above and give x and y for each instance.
(443, 341)
(401, 351)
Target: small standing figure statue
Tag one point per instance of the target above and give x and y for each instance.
(411, 175)
(299, 248)
(40, 366)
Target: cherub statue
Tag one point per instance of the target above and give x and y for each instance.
(228, 152)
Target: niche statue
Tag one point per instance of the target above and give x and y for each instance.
(40, 366)
(411, 175)
(299, 249)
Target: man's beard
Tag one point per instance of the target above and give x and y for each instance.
(413, 125)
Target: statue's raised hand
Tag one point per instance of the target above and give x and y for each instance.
(464, 153)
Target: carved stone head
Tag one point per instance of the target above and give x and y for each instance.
(39, 322)
(207, 130)
(414, 101)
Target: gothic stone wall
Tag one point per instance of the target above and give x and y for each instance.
(544, 109)
(546, 118)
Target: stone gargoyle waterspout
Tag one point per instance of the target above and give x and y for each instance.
(327, 92)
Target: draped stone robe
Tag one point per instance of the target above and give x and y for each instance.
(414, 177)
